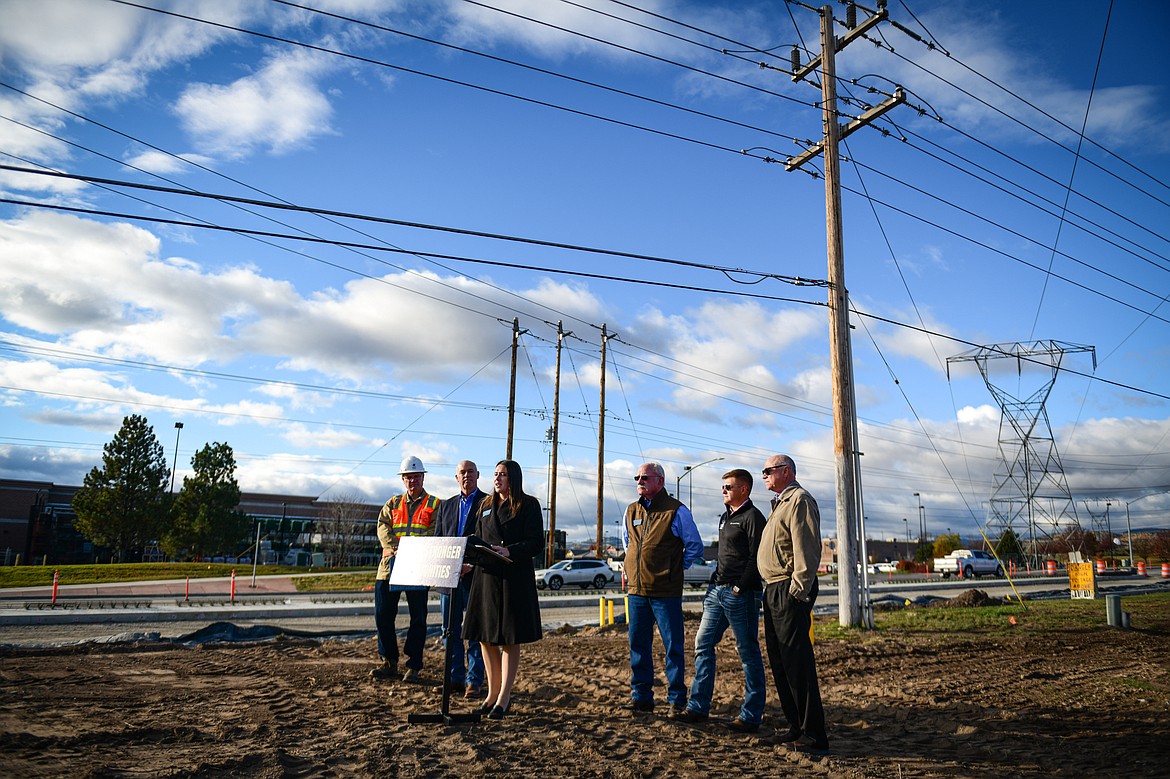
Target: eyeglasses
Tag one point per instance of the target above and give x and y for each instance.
(768, 471)
(643, 477)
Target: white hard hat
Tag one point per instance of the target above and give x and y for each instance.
(411, 465)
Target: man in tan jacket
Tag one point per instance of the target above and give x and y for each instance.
(790, 552)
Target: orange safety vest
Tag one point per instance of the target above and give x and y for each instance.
(418, 525)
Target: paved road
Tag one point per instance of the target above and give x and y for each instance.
(90, 612)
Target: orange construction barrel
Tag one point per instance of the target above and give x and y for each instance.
(1051, 567)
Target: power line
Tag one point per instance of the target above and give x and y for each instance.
(726, 270)
(1072, 173)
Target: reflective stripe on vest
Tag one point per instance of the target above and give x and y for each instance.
(419, 524)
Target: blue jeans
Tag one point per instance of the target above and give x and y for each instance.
(723, 609)
(643, 614)
(463, 672)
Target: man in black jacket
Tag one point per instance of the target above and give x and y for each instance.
(733, 600)
(456, 517)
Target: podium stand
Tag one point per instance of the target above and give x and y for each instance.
(436, 562)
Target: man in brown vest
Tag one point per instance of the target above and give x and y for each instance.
(661, 541)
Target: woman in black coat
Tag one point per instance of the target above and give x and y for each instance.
(502, 608)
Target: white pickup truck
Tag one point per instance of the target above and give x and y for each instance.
(968, 563)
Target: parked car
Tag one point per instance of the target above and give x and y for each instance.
(584, 573)
(968, 562)
(699, 574)
(883, 567)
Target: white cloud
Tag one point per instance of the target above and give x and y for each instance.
(726, 346)
(981, 40)
(56, 35)
(103, 287)
(280, 108)
(98, 395)
(978, 416)
(317, 437)
(159, 162)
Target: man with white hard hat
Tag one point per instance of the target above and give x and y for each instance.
(409, 514)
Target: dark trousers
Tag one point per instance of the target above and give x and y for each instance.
(385, 614)
(452, 606)
(790, 655)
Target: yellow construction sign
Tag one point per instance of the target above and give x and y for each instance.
(1082, 580)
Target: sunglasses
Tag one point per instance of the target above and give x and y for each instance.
(641, 478)
(768, 471)
(730, 487)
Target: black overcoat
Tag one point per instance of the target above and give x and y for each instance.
(502, 607)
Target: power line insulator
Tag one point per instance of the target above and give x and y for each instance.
(795, 59)
(851, 15)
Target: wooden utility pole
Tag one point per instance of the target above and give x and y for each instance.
(601, 451)
(552, 468)
(512, 388)
(845, 454)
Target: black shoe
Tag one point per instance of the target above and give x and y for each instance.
(688, 716)
(639, 706)
(789, 737)
(743, 726)
(384, 671)
(484, 708)
(497, 712)
(812, 747)
(410, 675)
(678, 708)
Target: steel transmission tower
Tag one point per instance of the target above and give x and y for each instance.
(1030, 496)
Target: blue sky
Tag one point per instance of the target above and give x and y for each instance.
(583, 126)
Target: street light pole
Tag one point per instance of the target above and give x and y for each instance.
(1128, 532)
(175, 464)
(256, 553)
(687, 471)
(906, 524)
(922, 536)
(1108, 526)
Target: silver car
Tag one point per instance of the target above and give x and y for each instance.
(584, 573)
(699, 574)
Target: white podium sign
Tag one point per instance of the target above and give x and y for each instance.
(428, 561)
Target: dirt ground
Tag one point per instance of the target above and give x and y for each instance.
(1081, 703)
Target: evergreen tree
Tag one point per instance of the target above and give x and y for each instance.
(204, 521)
(121, 504)
(1009, 547)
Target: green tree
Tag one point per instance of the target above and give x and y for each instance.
(1008, 547)
(121, 504)
(204, 520)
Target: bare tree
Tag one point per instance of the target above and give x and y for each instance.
(346, 532)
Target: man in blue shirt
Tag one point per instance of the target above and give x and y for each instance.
(661, 541)
(456, 517)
